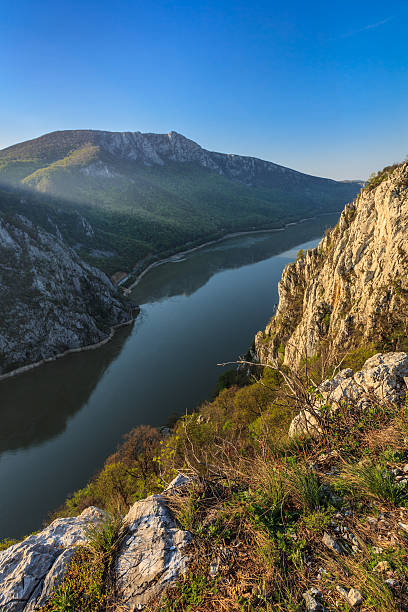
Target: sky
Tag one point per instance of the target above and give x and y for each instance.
(321, 87)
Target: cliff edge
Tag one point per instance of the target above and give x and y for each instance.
(352, 288)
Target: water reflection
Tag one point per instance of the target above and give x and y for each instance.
(55, 392)
(59, 422)
(184, 277)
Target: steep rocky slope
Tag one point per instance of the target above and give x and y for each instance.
(146, 194)
(153, 149)
(352, 288)
(320, 526)
(50, 300)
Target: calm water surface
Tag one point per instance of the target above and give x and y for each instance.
(58, 423)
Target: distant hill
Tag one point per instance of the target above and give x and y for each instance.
(147, 194)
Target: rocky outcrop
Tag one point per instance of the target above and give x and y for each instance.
(31, 570)
(383, 378)
(151, 555)
(51, 301)
(161, 149)
(352, 288)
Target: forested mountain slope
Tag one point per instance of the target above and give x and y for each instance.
(151, 193)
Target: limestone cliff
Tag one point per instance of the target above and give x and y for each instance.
(51, 301)
(153, 150)
(352, 288)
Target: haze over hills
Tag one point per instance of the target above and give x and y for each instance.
(141, 195)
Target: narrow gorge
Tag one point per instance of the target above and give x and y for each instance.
(288, 489)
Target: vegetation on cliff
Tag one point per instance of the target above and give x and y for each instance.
(350, 290)
(149, 194)
(276, 521)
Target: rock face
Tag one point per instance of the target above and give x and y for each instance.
(383, 378)
(152, 553)
(31, 570)
(352, 288)
(51, 301)
(156, 150)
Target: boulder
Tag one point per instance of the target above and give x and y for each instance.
(32, 570)
(152, 553)
(383, 378)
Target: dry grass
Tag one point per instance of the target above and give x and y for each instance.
(259, 522)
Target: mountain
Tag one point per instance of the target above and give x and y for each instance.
(51, 301)
(351, 290)
(149, 194)
(287, 491)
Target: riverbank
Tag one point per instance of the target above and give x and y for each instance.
(176, 257)
(88, 347)
(61, 421)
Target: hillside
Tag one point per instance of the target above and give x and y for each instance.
(152, 193)
(51, 300)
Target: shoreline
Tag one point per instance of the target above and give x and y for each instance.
(127, 291)
(87, 347)
(170, 258)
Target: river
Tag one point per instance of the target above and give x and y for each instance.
(59, 422)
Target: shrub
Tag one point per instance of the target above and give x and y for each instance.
(7, 542)
(306, 488)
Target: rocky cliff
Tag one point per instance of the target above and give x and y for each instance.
(51, 301)
(153, 149)
(352, 288)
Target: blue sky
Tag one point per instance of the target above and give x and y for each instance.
(317, 86)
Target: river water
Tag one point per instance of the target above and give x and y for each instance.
(59, 422)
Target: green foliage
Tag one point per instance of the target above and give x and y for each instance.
(272, 424)
(318, 520)
(82, 587)
(393, 455)
(306, 487)
(376, 178)
(231, 378)
(193, 592)
(356, 358)
(128, 475)
(300, 255)
(104, 537)
(7, 542)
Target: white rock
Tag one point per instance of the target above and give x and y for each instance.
(377, 381)
(32, 569)
(331, 543)
(355, 598)
(152, 553)
(312, 605)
